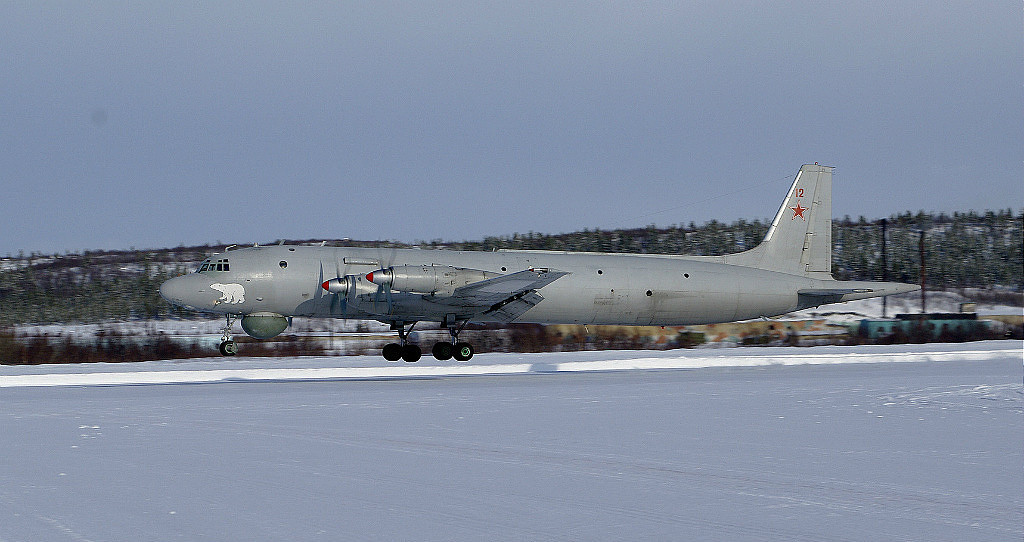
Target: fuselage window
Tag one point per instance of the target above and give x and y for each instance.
(283, 264)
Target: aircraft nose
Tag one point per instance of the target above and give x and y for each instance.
(174, 290)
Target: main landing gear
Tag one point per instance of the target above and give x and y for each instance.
(228, 346)
(460, 351)
(403, 350)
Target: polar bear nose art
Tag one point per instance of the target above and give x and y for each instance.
(230, 293)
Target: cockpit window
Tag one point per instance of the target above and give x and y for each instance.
(219, 265)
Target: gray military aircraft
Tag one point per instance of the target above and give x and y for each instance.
(266, 286)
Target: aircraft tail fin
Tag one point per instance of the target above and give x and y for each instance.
(799, 240)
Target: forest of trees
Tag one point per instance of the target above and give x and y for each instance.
(962, 250)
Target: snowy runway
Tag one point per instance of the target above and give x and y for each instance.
(739, 450)
(372, 367)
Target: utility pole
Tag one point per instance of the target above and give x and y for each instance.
(920, 249)
(885, 265)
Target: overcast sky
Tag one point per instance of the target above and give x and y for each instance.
(152, 124)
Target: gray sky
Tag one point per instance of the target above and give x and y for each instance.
(152, 124)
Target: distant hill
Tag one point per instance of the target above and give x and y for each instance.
(962, 250)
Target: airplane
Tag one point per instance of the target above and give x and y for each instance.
(789, 270)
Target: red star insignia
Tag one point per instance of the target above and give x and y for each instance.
(798, 211)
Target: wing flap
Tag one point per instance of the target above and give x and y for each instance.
(508, 310)
(486, 293)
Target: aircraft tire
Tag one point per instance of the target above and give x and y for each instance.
(442, 351)
(392, 352)
(228, 348)
(411, 353)
(463, 352)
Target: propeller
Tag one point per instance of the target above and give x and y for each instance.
(383, 278)
(338, 287)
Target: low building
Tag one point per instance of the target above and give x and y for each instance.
(942, 326)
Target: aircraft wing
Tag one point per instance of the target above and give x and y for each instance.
(506, 297)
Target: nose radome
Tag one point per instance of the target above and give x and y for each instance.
(173, 290)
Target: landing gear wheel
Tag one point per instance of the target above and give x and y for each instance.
(392, 352)
(443, 351)
(228, 348)
(411, 353)
(463, 352)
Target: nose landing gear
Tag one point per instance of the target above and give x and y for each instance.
(228, 347)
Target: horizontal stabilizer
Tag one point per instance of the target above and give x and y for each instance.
(834, 291)
(851, 291)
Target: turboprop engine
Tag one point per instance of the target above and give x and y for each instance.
(427, 279)
(264, 325)
(349, 285)
(338, 285)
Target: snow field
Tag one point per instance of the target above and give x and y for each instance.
(909, 442)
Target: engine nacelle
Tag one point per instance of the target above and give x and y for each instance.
(264, 325)
(427, 279)
(339, 285)
(349, 285)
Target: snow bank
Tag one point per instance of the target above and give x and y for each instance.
(368, 367)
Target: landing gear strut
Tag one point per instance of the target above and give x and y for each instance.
(228, 346)
(461, 351)
(403, 350)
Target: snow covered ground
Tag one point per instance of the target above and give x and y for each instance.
(823, 443)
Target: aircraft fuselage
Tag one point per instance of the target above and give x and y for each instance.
(619, 289)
